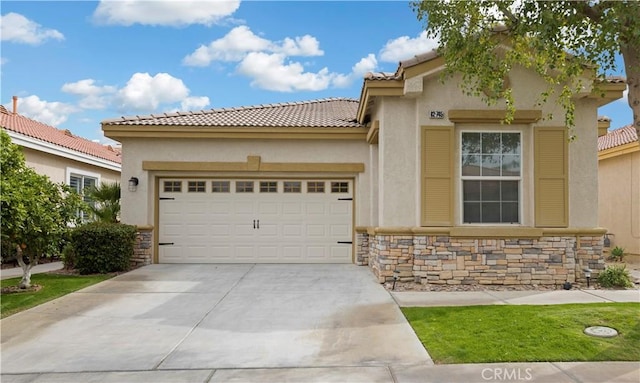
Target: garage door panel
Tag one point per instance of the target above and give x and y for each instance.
(295, 227)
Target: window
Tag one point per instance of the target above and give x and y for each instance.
(196, 186)
(268, 186)
(490, 169)
(339, 187)
(244, 186)
(80, 183)
(292, 186)
(172, 186)
(315, 187)
(220, 187)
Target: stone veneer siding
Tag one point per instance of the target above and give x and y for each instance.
(441, 259)
(143, 248)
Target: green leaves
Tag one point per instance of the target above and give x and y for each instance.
(483, 40)
(34, 211)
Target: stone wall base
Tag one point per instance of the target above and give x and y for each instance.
(436, 259)
(143, 248)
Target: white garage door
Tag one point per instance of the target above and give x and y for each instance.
(255, 221)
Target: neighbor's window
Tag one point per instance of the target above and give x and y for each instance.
(491, 175)
(79, 183)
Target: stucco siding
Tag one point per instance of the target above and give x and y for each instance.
(57, 168)
(138, 207)
(619, 204)
(398, 164)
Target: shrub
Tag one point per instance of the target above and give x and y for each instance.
(103, 247)
(617, 253)
(69, 257)
(615, 276)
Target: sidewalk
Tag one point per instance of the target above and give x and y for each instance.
(41, 268)
(529, 297)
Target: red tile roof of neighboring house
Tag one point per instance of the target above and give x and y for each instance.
(324, 113)
(64, 138)
(617, 137)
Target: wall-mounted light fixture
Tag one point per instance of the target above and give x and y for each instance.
(133, 184)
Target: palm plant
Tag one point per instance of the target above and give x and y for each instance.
(106, 201)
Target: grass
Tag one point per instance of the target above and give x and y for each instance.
(485, 334)
(53, 286)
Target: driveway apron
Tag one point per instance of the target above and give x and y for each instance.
(169, 317)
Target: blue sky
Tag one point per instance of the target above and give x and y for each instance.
(75, 63)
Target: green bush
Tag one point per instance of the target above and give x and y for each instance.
(617, 253)
(69, 257)
(615, 276)
(103, 247)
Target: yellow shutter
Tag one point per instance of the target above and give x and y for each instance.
(551, 177)
(437, 175)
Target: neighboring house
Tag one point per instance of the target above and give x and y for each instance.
(60, 155)
(619, 187)
(414, 178)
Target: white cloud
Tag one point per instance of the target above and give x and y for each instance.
(241, 41)
(366, 64)
(164, 12)
(300, 46)
(18, 29)
(92, 96)
(405, 47)
(51, 113)
(270, 72)
(3, 60)
(194, 103)
(234, 46)
(144, 92)
(625, 96)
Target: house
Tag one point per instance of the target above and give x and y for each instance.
(619, 187)
(414, 179)
(60, 155)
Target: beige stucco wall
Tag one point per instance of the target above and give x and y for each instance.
(138, 207)
(58, 168)
(399, 149)
(619, 207)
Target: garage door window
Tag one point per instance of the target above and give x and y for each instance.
(172, 186)
(220, 187)
(315, 187)
(292, 186)
(268, 186)
(339, 187)
(244, 186)
(196, 186)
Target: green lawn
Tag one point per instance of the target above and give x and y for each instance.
(53, 286)
(484, 334)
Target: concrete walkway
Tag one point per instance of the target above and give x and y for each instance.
(262, 323)
(41, 268)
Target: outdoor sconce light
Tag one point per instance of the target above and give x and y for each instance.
(133, 184)
(587, 274)
(396, 276)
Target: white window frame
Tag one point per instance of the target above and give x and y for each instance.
(83, 174)
(462, 178)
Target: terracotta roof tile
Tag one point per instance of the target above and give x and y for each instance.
(617, 137)
(63, 138)
(324, 113)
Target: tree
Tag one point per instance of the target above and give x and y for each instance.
(106, 198)
(560, 40)
(35, 212)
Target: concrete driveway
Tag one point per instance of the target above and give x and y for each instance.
(210, 317)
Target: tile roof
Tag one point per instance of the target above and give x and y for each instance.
(63, 138)
(323, 113)
(617, 137)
